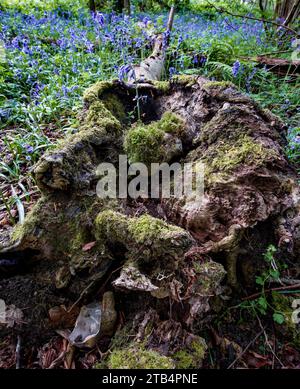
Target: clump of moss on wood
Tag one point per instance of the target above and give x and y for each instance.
(219, 84)
(144, 143)
(94, 92)
(114, 105)
(191, 357)
(118, 227)
(185, 80)
(244, 150)
(137, 357)
(158, 239)
(163, 86)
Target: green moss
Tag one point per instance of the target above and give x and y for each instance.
(111, 225)
(137, 357)
(185, 80)
(114, 105)
(117, 227)
(99, 117)
(229, 155)
(219, 84)
(144, 143)
(171, 123)
(148, 228)
(192, 357)
(163, 86)
(209, 274)
(144, 237)
(31, 222)
(94, 92)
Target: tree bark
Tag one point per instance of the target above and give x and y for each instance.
(92, 6)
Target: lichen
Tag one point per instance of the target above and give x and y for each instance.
(137, 357)
(144, 143)
(191, 357)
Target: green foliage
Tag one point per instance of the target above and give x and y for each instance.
(272, 272)
(26, 6)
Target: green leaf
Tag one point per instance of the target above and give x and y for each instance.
(274, 274)
(278, 318)
(259, 280)
(263, 303)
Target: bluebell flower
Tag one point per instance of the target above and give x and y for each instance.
(235, 68)
(172, 71)
(28, 148)
(123, 71)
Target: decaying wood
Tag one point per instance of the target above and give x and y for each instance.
(153, 66)
(278, 66)
(166, 260)
(251, 195)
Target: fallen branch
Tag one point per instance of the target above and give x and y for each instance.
(152, 67)
(282, 288)
(222, 10)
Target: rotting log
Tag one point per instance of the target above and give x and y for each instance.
(279, 66)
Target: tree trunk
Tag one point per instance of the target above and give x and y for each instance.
(127, 6)
(287, 10)
(92, 6)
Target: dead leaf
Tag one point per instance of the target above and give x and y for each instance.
(88, 246)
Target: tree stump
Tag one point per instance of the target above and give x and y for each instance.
(167, 260)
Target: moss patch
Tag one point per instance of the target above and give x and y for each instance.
(185, 80)
(94, 92)
(145, 237)
(219, 84)
(114, 105)
(192, 357)
(244, 151)
(144, 143)
(163, 86)
(136, 357)
(117, 227)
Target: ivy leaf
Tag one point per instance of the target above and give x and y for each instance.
(278, 318)
(259, 280)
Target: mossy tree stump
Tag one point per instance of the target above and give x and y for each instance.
(157, 253)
